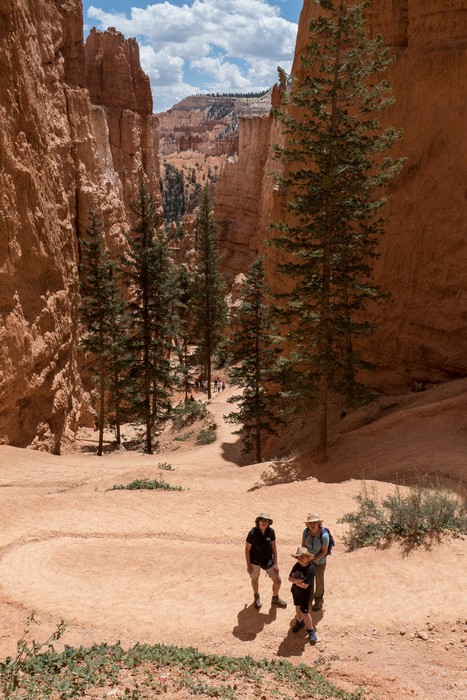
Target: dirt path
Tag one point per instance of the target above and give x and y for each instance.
(168, 566)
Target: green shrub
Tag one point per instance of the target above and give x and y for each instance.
(187, 413)
(27, 651)
(415, 517)
(166, 466)
(140, 484)
(206, 436)
(139, 671)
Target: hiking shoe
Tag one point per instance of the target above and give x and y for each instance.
(298, 625)
(257, 602)
(317, 606)
(312, 636)
(278, 601)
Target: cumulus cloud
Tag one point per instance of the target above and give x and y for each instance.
(207, 46)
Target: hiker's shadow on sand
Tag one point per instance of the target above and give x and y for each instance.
(295, 643)
(252, 621)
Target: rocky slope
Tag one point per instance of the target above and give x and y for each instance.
(200, 134)
(60, 153)
(421, 329)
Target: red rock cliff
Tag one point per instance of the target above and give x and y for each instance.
(421, 330)
(55, 162)
(116, 81)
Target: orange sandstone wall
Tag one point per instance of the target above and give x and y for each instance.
(421, 330)
(55, 162)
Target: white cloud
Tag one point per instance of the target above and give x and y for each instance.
(221, 45)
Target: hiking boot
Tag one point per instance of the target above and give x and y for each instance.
(317, 606)
(312, 636)
(278, 601)
(298, 625)
(257, 602)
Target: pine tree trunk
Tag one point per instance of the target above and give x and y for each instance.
(322, 443)
(258, 441)
(101, 398)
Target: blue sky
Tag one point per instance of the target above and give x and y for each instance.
(196, 46)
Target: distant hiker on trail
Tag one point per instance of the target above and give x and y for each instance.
(316, 541)
(261, 553)
(302, 577)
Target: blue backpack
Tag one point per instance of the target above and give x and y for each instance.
(331, 540)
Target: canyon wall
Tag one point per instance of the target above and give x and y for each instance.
(421, 329)
(59, 155)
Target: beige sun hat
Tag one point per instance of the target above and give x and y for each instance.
(264, 516)
(312, 518)
(302, 552)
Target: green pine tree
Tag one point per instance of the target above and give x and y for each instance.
(184, 326)
(174, 198)
(149, 273)
(208, 300)
(102, 308)
(333, 172)
(253, 354)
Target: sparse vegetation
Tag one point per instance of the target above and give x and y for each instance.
(187, 413)
(166, 466)
(206, 436)
(13, 669)
(416, 517)
(140, 484)
(157, 669)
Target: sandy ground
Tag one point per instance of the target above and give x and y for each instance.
(169, 567)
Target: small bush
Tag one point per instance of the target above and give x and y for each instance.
(206, 436)
(140, 484)
(187, 413)
(13, 668)
(415, 517)
(166, 466)
(184, 438)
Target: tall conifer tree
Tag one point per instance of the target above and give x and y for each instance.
(102, 308)
(333, 172)
(149, 273)
(208, 301)
(253, 354)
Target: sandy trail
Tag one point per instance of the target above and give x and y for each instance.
(168, 566)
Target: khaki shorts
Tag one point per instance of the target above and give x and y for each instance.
(256, 570)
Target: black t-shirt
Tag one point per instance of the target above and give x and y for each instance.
(261, 546)
(304, 573)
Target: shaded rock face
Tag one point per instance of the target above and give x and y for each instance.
(55, 162)
(241, 196)
(420, 330)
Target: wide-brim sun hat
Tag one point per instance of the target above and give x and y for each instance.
(312, 518)
(302, 552)
(264, 516)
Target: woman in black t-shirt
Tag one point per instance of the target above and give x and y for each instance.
(261, 553)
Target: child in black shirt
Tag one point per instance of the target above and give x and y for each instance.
(302, 577)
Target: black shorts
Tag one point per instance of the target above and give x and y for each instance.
(301, 597)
